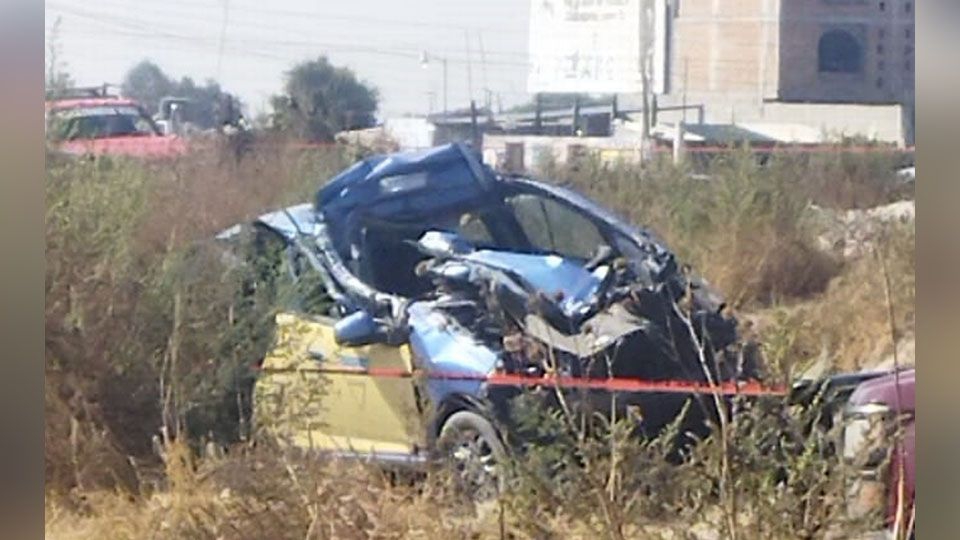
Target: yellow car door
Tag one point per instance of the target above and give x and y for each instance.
(315, 394)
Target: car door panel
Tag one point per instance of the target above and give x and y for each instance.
(317, 394)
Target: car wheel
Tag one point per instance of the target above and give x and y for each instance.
(471, 447)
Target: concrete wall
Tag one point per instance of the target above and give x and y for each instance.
(410, 133)
(753, 50)
(884, 29)
(810, 122)
(725, 46)
(741, 59)
(880, 122)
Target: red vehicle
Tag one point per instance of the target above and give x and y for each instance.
(879, 442)
(90, 121)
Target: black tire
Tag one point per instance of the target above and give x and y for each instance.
(469, 444)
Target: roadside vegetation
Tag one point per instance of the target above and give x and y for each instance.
(148, 348)
(751, 231)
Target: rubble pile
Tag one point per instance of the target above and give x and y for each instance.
(854, 233)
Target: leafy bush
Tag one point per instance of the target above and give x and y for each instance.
(144, 326)
(765, 475)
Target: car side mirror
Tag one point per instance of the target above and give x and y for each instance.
(357, 329)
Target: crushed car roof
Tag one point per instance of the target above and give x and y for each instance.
(443, 175)
(450, 172)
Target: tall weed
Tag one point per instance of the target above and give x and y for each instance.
(743, 225)
(140, 315)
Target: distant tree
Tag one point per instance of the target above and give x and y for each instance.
(57, 79)
(210, 106)
(148, 84)
(321, 99)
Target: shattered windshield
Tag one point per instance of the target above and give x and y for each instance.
(470, 227)
(554, 228)
(102, 122)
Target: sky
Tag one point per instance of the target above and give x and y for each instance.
(248, 45)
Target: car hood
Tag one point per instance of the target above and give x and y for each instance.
(559, 279)
(138, 147)
(884, 390)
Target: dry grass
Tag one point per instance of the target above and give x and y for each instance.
(129, 306)
(744, 227)
(848, 327)
(749, 230)
(263, 494)
(115, 237)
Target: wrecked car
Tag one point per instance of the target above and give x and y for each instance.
(432, 291)
(879, 443)
(92, 121)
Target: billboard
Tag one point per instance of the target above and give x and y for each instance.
(589, 46)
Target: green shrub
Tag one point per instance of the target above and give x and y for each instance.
(144, 325)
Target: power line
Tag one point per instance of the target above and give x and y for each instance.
(257, 47)
(300, 14)
(410, 50)
(138, 26)
(259, 25)
(508, 84)
(255, 50)
(504, 65)
(401, 51)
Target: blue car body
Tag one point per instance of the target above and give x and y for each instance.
(390, 239)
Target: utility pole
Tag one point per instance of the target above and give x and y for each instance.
(444, 61)
(483, 65)
(678, 143)
(645, 46)
(654, 110)
(574, 128)
(684, 98)
(223, 38)
(466, 38)
(425, 62)
(474, 127)
(538, 114)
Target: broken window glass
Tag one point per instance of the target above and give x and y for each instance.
(472, 229)
(556, 228)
